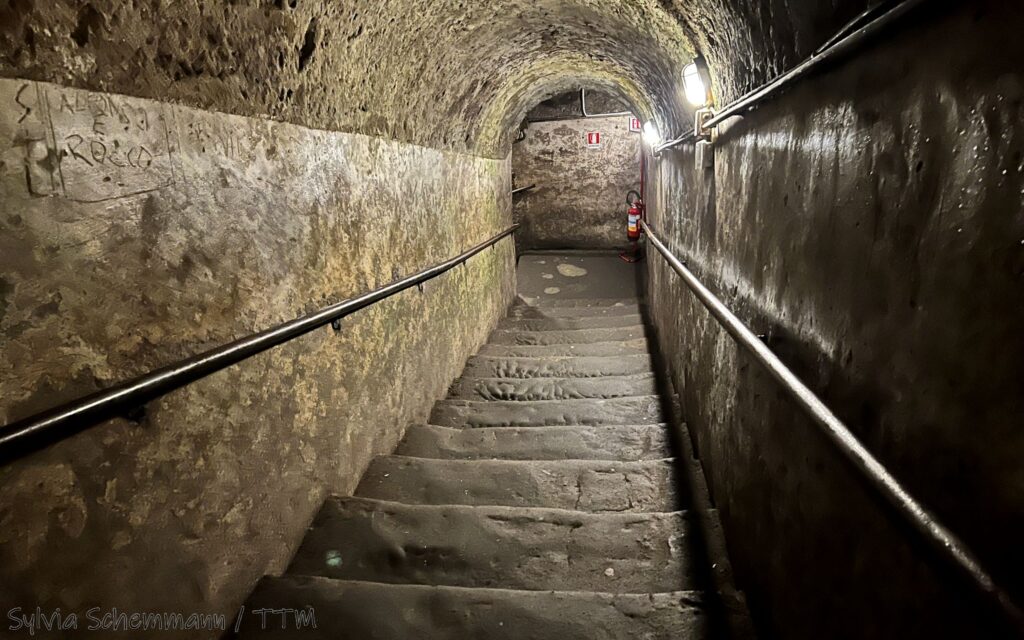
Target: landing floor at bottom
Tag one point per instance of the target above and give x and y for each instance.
(544, 278)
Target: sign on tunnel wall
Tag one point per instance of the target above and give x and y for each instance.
(593, 139)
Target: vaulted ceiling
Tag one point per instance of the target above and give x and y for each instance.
(457, 74)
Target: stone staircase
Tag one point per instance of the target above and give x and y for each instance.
(542, 501)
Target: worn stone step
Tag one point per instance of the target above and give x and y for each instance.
(350, 610)
(567, 336)
(515, 413)
(558, 366)
(619, 442)
(525, 311)
(563, 324)
(582, 485)
(549, 303)
(591, 349)
(553, 388)
(502, 547)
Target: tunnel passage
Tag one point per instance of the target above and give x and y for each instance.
(318, 149)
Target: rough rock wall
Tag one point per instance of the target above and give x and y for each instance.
(436, 73)
(579, 200)
(870, 224)
(135, 233)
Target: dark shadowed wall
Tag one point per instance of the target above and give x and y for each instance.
(870, 224)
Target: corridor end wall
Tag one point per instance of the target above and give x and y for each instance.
(579, 201)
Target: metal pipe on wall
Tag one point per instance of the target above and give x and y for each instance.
(852, 36)
(837, 49)
(583, 111)
(583, 107)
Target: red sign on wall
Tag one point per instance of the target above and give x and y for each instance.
(593, 139)
(635, 126)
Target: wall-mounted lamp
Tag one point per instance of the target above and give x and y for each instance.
(651, 136)
(693, 86)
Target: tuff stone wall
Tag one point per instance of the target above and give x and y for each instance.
(580, 194)
(134, 233)
(869, 223)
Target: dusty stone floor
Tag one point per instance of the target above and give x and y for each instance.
(546, 276)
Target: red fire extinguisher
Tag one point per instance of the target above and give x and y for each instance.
(634, 216)
(633, 228)
(637, 212)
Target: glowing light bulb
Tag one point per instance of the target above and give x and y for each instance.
(651, 135)
(693, 86)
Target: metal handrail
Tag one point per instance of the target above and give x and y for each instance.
(31, 433)
(920, 519)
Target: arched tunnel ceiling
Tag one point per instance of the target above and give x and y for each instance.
(457, 75)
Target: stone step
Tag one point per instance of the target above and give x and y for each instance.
(549, 303)
(567, 336)
(513, 413)
(500, 547)
(620, 442)
(525, 311)
(348, 610)
(557, 366)
(562, 324)
(591, 349)
(581, 485)
(553, 388)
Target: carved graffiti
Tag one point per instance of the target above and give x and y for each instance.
(108, 146)
(18, 99)
(213, 138)
(23, 119)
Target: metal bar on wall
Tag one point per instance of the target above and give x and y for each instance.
(41, 429)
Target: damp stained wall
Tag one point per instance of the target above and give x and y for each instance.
(134, 233)
(870, 223)
(579, 201)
